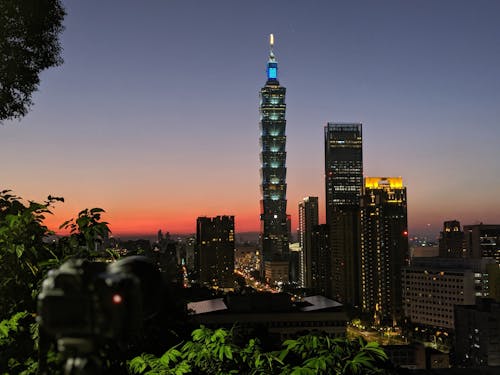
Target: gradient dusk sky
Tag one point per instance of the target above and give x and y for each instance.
(154, 114)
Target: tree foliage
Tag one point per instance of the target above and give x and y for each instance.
(17, 343)
(25, 258)
(29, 31)
(24, 255)
(214, 352)
(87, 231)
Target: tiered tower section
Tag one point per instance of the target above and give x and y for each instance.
(274, 232)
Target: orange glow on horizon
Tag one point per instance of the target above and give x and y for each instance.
(135, 224)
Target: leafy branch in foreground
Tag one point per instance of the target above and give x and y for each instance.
(214, 352)
(25, 258)
(23, 251)
(87, 231)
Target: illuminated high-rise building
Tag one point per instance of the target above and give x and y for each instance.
(308, 219)
(384, 247)
(215, 250)
(274, 229)
(343, 165)
(343, 184)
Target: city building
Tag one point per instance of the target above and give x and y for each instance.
(424, 251)
(289, 228)
(296, 265)
(451, 240)
(277, 271)
(273, 314)
(308, 219)
(493, 271)
(169, 254)
(433, 286)
(215, 250)
(343, 184)
(416, 356)
(482, 240)
(321, 280)
(274, 220)
(477, 334)
(384, 247)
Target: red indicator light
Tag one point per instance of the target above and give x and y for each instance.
(405, 233)
(117, 299)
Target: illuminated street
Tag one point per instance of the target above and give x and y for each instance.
(383, 337)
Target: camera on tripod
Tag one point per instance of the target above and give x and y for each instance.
(84, 305)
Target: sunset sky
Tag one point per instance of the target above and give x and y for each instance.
(154, 114)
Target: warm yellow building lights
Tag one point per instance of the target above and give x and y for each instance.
(383, 182)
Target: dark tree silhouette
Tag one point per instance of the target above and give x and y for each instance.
(29, 44)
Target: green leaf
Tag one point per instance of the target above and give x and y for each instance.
(282, 354)
(258, 361)
(290, 344)
(19, 250)
(228, 352)
(182, 368)
(302, 371)
(137, 365)
(4, 330)
(201, 333)
(170, 355)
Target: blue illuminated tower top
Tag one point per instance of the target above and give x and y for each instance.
(272, 64)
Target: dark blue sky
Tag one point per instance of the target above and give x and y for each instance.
(154, 114)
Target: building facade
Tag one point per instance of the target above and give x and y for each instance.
(274, 226)
(308, 219)
(321, 280)
(482, 240)
(343, 184)
(432, 287)
(296, 260)
(477, 334)
(215, 250)
(384, 247)
(273, 313)
(451, 240)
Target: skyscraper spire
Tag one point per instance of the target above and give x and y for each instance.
(272, 64)
(271, 45)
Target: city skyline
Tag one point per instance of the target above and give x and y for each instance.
(154, 115)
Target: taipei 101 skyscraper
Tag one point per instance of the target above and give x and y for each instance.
(273, 217)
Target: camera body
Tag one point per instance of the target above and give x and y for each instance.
(91, 300)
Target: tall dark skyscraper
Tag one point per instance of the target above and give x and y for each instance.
(343, 166)
(321, 282)
(384, 247)
(215, 250)
(308, 219)
(451, 240)
(274, 231)
(343, 184)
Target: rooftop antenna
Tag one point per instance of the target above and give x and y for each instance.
(271, 45)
